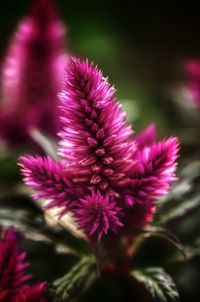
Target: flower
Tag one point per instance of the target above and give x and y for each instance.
(98, 214)
(107, 179)
(95, 139)
(32, 75)
(147, 137)
(13, 277)
(150, 179)
(192, 74)
(32, 293)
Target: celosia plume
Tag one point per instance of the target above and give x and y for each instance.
(95, 140)
(32, 75)
(13, 278)
(108, 180)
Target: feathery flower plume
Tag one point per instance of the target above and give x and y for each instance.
(192, 73)
(109, 181)
(13, 277)
(150, 179)
(32, 75)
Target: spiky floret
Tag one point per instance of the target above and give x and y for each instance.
(104, 177)
(13, 276)
(95, 140)
(96, 214)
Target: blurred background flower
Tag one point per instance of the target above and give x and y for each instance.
(32, 75)
(14, 284)
(192, 75)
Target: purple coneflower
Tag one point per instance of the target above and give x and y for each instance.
(32, 74)
(13, 278)
(108, 180)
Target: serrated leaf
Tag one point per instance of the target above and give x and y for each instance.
(71, 284)
(175, 212)
(158, 283)
(183, 198)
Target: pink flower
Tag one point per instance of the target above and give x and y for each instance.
(192, 73)
(32, 293)
(13, 277)
(150, 179)
(109, 181)
(95, 139)
(32, 75)
(147, 137)
(98, 214)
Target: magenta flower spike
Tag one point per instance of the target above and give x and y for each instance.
(192, 74)
(108, 180)
(13, 278)
(32, 75)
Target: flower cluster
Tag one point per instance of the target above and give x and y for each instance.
(13, 278)
(192, 73)
(32, 75)
(107, 178)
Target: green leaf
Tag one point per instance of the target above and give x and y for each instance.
(184, 198)
(153, 231)
(74, 282)
(181, 209)
(158, 283)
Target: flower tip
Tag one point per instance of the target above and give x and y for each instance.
(147, 137)
(73, 61)
(152, 127)
(174, 143)
(23, 160)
